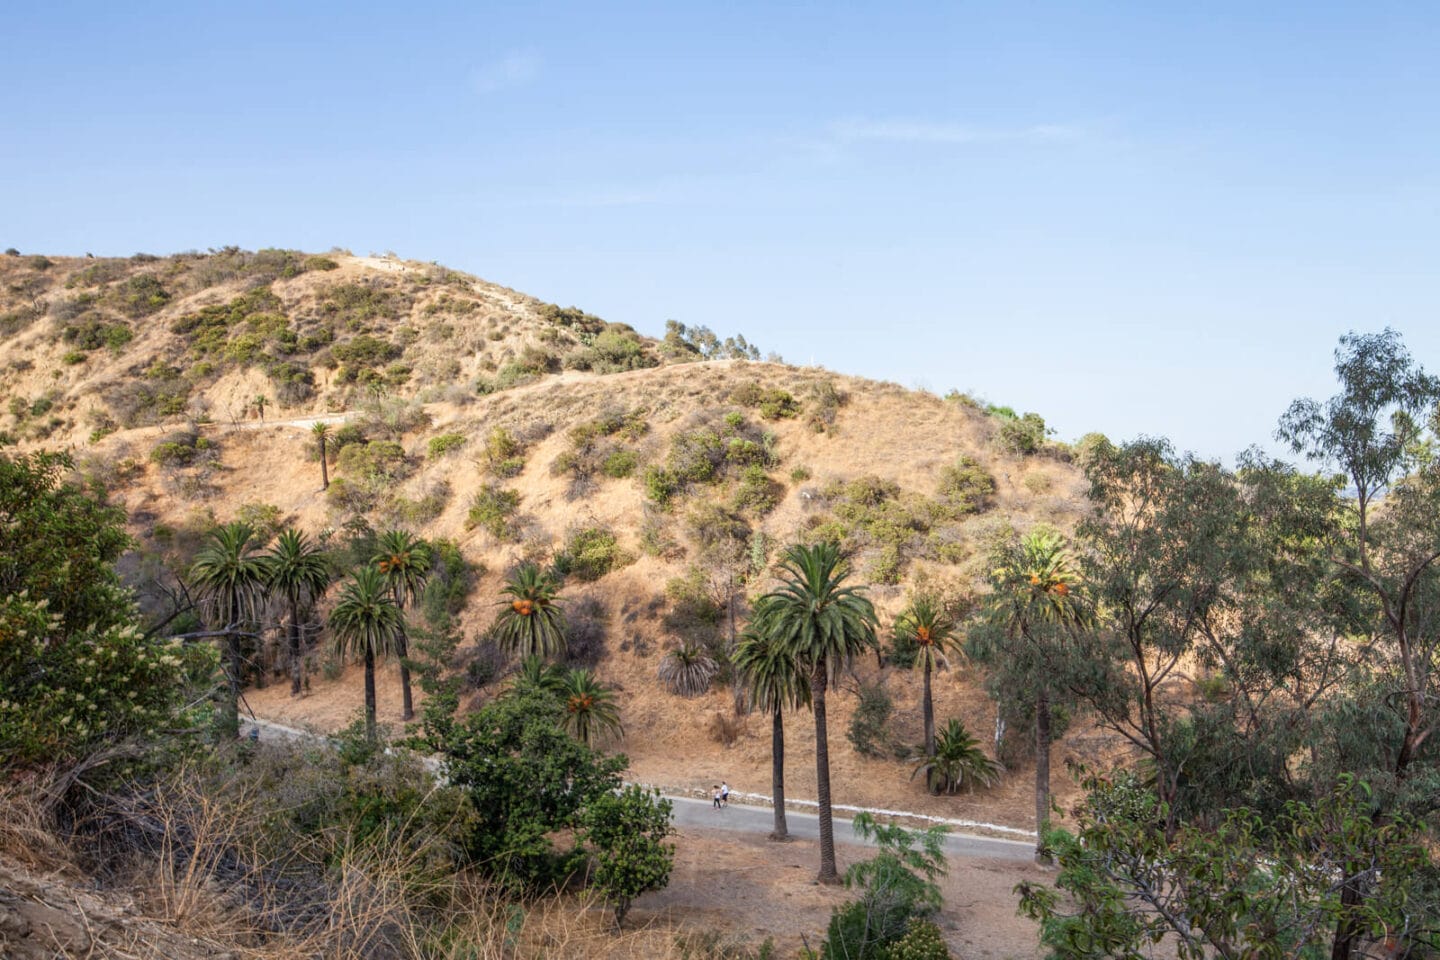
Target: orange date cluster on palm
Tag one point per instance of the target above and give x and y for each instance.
(922, 634)
(523, 607)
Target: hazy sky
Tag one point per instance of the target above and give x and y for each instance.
(1134, 218)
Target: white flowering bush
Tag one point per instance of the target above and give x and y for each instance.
(76, 672)
(64, 694)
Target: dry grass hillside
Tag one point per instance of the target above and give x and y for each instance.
(469, 412)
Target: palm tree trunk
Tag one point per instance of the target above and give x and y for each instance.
(230, 715)
(369, 692)
(407, 706)
(297, 668)
(828, 872)
(1042, 772)
(324, 469)
(777, 776)
(928, 711)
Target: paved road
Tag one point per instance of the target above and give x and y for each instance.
(744, 818)
(690, 812)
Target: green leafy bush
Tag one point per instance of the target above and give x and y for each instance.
(869, 731)
(1023, 435)
(445, 443)
(620, 464)
(529, 782)
(966, 486)
(76, 671)
(590, 553)
(491, 509)
(625, 833)
(320, 264)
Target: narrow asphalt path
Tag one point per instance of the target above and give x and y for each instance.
(690, 812)
(741, 818)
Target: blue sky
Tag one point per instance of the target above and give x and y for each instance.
(1134, 218)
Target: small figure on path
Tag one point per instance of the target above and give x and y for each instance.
(715, 795)
(724, 794)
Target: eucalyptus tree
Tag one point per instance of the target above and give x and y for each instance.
(367, 620)
(773, 681)
(299, 571)
(823, 623)
(229, 575)
(1379, 432)
(405, 562)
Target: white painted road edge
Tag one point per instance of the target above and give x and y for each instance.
(749, 799)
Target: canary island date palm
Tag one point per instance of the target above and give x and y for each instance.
(590, 709)
(823, 623)
(531, 621)
(773, 682)
(366, 621)
(957, 761)
(296, 570)
(535, 673)
(926, 626)
(229, 575)
(405, 562)
(1035, 588)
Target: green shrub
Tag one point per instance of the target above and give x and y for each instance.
(620, 464)
(383, 459)
(529, 784)
(966, 486)
(76, 670)
(800, 474)
(365, 351)
(590, 553)
(141, 295)
(613, 351)
(757, 492)
(73, 357)
(491, 509)
(922, 941)
(320, 264)
(182, 450)
(869, 731)
(1023, 435)
(265, 518)
(440, 445)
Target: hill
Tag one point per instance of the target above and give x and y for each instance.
(665, 474)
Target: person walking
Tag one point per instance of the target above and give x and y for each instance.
(715, 795)
(724, 794)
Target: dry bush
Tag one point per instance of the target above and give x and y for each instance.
(725, 730)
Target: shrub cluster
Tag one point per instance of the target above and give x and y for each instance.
(589, 553)
(708, 453)
(491, 509)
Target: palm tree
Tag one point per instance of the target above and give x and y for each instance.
(590, 710)
(322, 434)
(536, 674)
(957, 761)
(405, 562)
(367, 619)
(230, 579)
(1036, 588)
(773, 681)
(532, 622)
(926, 626)
(298, 571)
(687, 671)
(823, 625)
